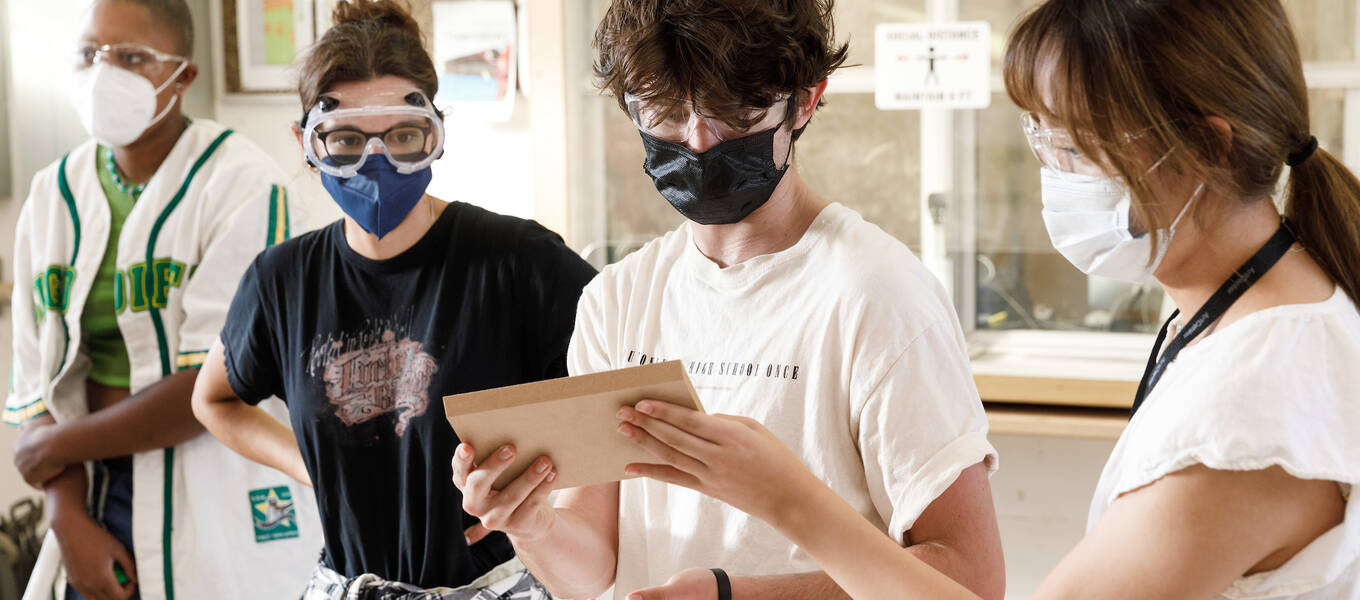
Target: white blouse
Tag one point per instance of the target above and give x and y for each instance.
(1280, 387)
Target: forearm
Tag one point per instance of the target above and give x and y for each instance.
(866, 564)
(953, 564)
(66, 496)
(816, 585)
(571, 559)
(253, 433)
(158, 417)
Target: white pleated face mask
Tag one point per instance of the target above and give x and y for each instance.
(1088, 221)
(117, 106)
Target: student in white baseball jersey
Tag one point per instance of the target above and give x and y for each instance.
(785, 307)
(1163, 129)
(128, 251)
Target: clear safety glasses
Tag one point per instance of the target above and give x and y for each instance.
(1056, 149)
(676, 121)
(139, 59)
(339, 141)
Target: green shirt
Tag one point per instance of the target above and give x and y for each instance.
(99, 321)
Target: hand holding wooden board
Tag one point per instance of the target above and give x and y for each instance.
(572, 420)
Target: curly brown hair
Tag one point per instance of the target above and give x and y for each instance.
(725, 57)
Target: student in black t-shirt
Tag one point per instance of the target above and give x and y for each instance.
(362, 327)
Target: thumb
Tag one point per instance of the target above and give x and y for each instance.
(124, 559)
(654, 593)
(475, 533)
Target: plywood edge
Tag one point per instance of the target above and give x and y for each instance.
(659, 374)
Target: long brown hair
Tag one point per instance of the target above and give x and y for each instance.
(1161, 68)
(370, 39)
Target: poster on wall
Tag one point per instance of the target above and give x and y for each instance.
(263, 37)
(475, 55)
(936, 65)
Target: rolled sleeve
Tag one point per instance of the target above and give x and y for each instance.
(921, 426)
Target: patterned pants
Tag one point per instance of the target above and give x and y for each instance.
(509, 581)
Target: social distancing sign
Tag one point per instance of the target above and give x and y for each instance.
(937, 65)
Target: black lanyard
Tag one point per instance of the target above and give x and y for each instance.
(1246, 276)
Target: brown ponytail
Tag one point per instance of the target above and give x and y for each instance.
(370, 39)
(1161, 68)
(1323, 201)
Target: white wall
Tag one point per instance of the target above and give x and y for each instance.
(1042, 493)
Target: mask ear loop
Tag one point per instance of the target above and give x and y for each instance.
(1186, 209)
(795, 133)
(173, 99)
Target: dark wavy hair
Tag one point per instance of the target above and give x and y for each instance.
(727, 57)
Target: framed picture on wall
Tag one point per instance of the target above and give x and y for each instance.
(475, 53)
(262, 37)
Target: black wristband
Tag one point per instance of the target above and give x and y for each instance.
(724, 584)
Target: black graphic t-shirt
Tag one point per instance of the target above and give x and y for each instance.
(363, 351)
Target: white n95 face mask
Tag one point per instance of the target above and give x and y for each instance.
(117, 106)
(1088, 221)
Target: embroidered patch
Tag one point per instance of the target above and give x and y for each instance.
(273, 513)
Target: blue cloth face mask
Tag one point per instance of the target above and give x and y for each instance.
(377, 197)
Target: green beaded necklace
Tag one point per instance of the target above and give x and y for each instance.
(135, 190)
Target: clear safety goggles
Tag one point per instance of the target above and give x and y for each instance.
(677, 121)
(407, 129)
(139, 59)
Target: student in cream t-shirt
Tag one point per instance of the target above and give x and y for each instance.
(784, 307)
(843, 345)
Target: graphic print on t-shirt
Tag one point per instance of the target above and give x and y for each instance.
(377, 371)
(728, 368)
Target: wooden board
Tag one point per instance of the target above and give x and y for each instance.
(572, 420)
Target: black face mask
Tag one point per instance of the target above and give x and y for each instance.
(723, 185)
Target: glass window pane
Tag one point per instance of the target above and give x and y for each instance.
(868, 160)
(856, 20)
(1002, 14)
(1022, 282)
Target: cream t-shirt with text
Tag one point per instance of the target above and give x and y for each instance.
(843, 345)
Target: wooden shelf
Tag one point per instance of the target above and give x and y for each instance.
(1084, 423)
(1044, 391)
(1045, 406)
